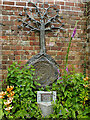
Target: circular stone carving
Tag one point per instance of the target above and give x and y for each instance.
(45, 71)
(45, 68)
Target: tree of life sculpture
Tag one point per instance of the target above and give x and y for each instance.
(46, 23)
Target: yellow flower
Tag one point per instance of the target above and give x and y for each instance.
(85, 86)
(8, 108)
(1, 97)
(8, 89)
(86, 78)
(8, 102)
(2, 93)
(10, 98)
(8, 95)
(11, 87)
(12, 93)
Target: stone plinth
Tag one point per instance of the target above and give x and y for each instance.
(44, 100)
(46, 108)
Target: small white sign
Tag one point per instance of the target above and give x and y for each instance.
(44, 96)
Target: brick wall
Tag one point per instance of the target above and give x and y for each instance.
(88, 38)
(19, 46)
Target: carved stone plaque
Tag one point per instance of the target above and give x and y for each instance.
(45, 96)
(45, 69)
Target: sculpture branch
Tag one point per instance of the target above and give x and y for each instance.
(47, 10)
(50, 20)
(35, 29)
(37, 10)
(61, 28)
(29, 26)
(48, 29)
(36, 21)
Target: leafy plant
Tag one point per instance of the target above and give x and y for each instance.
(72, 96)
(24, 101)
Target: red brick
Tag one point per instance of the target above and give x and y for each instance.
(13, 48)
(22, 62)
(65, 7)
(81, 5)
(27, 48)
(34, 43)
(24, 38)
(51, 2)
(7, 13)
(8, 3)
(5, 17)
(71, 57)
(12, 57)
(59, 61)
(7, 52)
(17, 57)
(18, 47)
(10, 62)
(4, 67)
(37, 48)
(7, 8)
(69, 4)
(5, 27)
(51, 52)
(21, 3)
(13, 17)
(27, 52)
(54, 48)
(20, 8)
(4, 62)
(61, 53)
(32, 38)
(60, 44)
(59, 3)
(18, 52)
(23, 57)
(33, 53)
(4, 57)
(6, 48)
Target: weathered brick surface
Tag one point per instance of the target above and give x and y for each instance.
(88, 39)
(18, 46)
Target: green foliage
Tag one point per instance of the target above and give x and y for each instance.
(72, 94)
(24, 102)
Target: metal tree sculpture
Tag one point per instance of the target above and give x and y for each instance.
(45, 65)
(41, 26)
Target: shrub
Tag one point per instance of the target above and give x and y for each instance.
(24, 102)
(72, 96)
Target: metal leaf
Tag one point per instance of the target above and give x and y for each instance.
(19, 27)
(63, 24)
(18, 20)
(20, 13)
(61, 17)
(52, 25)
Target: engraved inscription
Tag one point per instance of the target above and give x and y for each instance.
(46, 97)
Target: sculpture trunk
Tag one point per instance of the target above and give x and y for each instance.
(42, 37)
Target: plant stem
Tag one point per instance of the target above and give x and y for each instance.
(68, 52)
